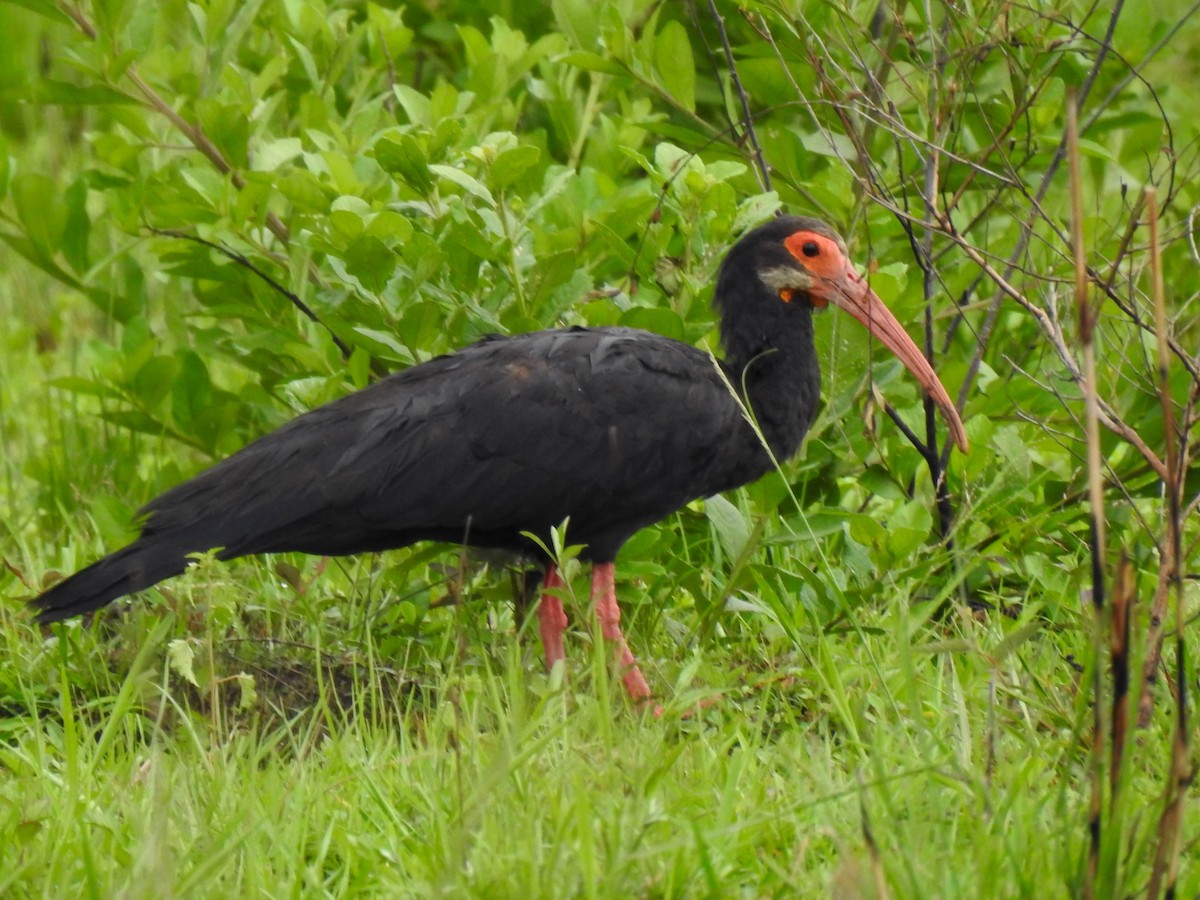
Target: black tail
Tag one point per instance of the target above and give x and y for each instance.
(131, 569)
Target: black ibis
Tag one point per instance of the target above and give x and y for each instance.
(608, 429)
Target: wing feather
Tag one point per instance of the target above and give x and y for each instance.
(607, 426)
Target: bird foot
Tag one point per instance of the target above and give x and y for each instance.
(604, 598)
(552, 620)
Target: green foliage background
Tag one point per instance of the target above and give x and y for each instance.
(420, 175)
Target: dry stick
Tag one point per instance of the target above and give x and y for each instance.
(1170, 550)
(989, 768)
(1122, 601)
(1135, 215)
(878, 78)
(1191, 417)
(1167, 854)
(881, 888)
(1168, 562)
(1087, 334)
(747, 118)
(930, 189)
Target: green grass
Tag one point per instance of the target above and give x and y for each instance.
(491, 778)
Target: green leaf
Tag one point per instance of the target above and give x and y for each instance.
(443, 102)
(273, 154)
(191, 395)
(35, 197)
(660, 321)
(415, 104)
(550, 271)
(1096, 150)
(155, 378)
(228, 126)
(674, 64)
(511, 164)
(248, 692)
(303, 189)
(371, 262)
(79, 385)
(42, 8)
(579, 20)
(48, 92)
(724, 169)
(134, 420)
(465, 181)
(908, 528)
(78, 227)
(733, 531)
(879, 480)
(399, 153)
(311, 70)
(755, 210)
(181, 658)
(593, 62)
(866, 530)
(389, 226)
(383, 343)
(346, 223)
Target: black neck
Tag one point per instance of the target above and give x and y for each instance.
(771, 359)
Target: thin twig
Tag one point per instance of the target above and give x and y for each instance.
(245, 263)
(1122, 607)
(877, 870)
(930, 192)
(1087, 332)
(764, 175)
(1167, 854)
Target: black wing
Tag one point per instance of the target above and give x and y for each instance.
(613, 428)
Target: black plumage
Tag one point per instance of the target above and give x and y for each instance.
(611, 428)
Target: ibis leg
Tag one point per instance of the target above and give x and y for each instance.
(604, 598)
(552, 621)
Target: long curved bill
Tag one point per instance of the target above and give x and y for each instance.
(850, 292)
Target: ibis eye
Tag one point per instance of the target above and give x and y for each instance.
(810, 249)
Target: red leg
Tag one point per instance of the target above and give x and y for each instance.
(552, 621)
(604, 597)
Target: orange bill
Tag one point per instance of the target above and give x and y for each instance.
(848, 291)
